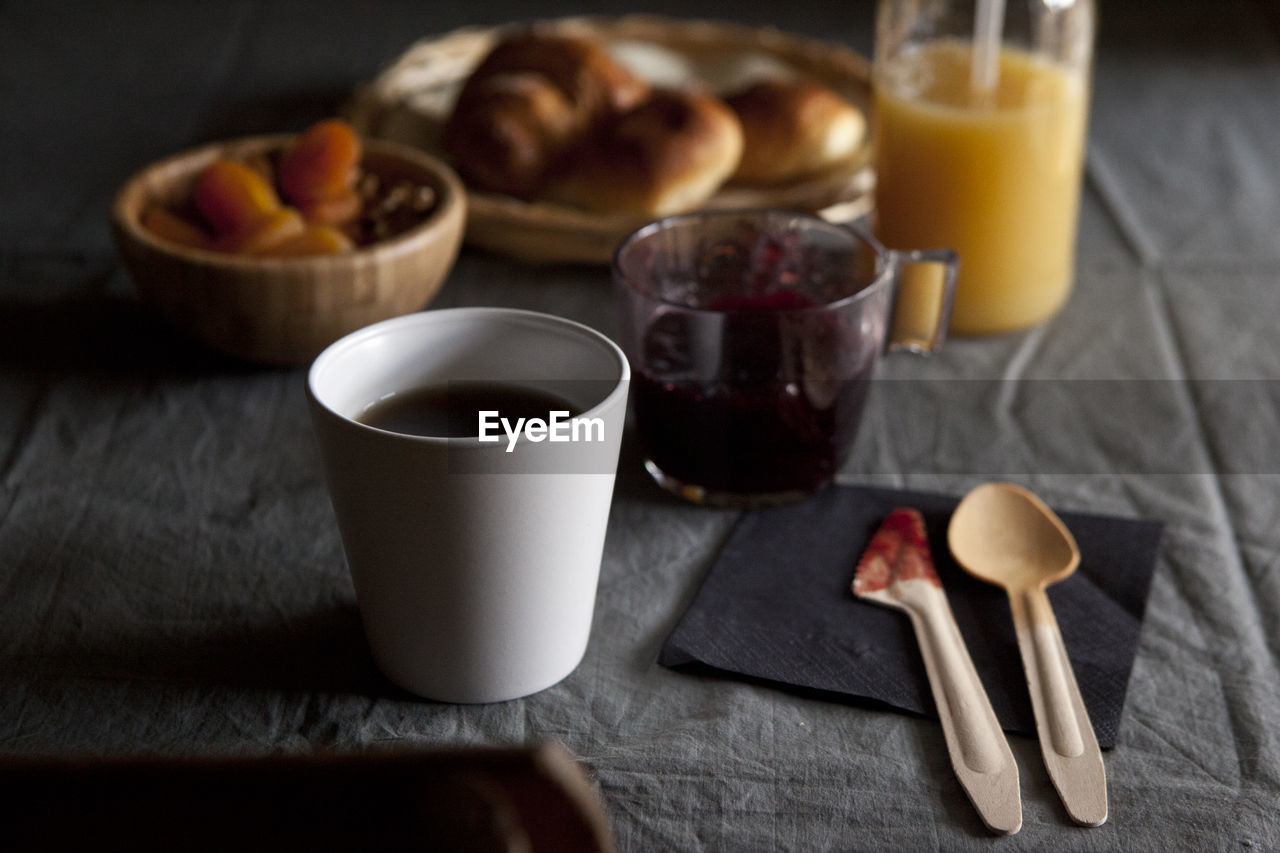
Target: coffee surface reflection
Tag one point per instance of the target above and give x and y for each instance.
(453, 409)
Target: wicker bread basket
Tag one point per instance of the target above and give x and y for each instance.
(410, 100)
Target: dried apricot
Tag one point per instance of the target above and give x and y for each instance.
(168, 225)
(334, 210)
(271, 229)
(321, 163)
(264, 164)
(312, 240)
(233, 197)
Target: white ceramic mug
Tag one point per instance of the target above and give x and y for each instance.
(475, 564)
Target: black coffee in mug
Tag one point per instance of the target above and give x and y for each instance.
(453, 409)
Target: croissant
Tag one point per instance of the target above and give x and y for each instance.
(530, 102)
(666, 155)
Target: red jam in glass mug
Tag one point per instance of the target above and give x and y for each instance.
(753, 336)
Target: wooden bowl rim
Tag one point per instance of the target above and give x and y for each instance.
(126, 209)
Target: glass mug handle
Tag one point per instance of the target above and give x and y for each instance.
(924, 290)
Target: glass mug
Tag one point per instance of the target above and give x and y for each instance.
(753, 336)
(982, 150)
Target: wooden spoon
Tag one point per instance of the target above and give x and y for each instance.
(1005, 535)
(897, 571)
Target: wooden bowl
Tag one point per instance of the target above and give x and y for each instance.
(284, 311)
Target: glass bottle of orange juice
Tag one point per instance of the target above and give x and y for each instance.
(980, 146)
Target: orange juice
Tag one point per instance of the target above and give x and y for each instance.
(995, 176)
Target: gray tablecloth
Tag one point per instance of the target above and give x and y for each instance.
(171, 579)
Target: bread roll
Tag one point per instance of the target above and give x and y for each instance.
(665, 156)
(508, 131)
(794, 128)
(583, 71)
(529, 101)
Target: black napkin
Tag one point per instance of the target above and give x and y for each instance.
(777, 606)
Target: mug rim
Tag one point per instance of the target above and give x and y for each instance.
(334, 351)
(883, 256)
